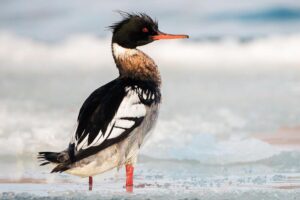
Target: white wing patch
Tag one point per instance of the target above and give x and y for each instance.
(124, 123)
(130, 107)
(83, 143)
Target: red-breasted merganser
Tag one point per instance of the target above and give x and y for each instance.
(115, 119)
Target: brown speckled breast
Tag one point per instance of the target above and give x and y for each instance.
(135, 64)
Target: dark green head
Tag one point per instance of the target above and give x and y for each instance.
(137, 30)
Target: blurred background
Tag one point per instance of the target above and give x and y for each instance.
(230, 114)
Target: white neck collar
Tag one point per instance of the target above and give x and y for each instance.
(120, 51)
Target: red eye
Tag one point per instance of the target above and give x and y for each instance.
(145, 30)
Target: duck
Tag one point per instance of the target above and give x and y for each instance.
(117, 118)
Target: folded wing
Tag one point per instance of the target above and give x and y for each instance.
(109, 115)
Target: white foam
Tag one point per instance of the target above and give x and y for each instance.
(206, 141)
(269, 52)
(25, 132)
(86, 52)
(76, 52)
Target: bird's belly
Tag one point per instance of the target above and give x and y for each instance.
(103, 161)
(107, 159)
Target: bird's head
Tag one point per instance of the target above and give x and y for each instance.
(137, 30)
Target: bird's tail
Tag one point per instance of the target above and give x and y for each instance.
(60, 158)
(48, 157)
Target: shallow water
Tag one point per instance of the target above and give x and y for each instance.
(159, 179)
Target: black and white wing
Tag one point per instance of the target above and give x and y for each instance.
(108, 116)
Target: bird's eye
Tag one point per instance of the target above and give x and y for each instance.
(145, 30)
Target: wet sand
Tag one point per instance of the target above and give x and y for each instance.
(27, 180)
(23, 181)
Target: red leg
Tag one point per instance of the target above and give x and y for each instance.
(129, 177)
(90, 183)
